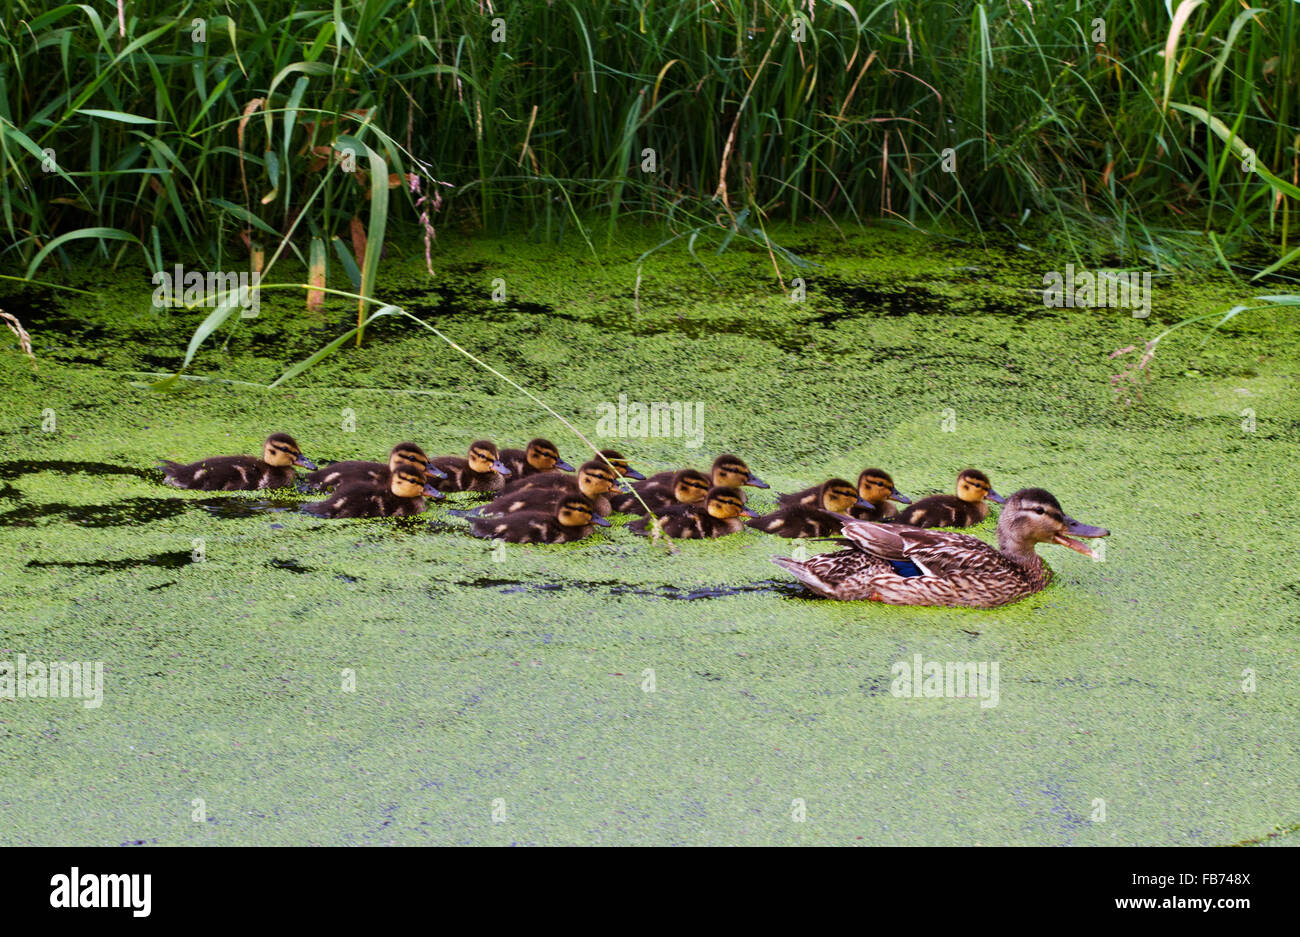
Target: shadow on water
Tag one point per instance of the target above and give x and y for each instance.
(19, 467)
(781, 588)
(172, 560)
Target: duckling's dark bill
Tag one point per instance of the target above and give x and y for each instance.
(305, 462)
(996, 498)
(901, 498)
(756, 481)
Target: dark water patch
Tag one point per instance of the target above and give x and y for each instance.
(233, 508)
(41, 313)
(173, 560)
(20, 467)
(613, 587)
(291, 565)
(877, 300)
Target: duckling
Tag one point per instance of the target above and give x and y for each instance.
(400, 495)
(337, 474)
(964, 509)
(535, 492)
(875, 488)
(728, 470)
(685, 487)
(615, 458)
(482, 471)
(823, 519)
(280, 453)
(540, 456)
(901, 565)
(571, 518)
(716, 517)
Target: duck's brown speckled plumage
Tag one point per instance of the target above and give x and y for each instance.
(957, 569)
(274, 469)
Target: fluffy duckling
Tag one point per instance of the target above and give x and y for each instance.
(537, 492)
(400, 495)
(717, 516)
(482, 471)
(728, 470)
(877, 489)
(615, 458)
(835, 497)
(280, 453)
(685, 487)
(964, 509)
(540, 456)
(338, 474)
(571, 518)
(902, 565)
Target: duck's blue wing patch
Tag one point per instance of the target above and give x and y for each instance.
(905, 568)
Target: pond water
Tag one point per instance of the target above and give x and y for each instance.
(342, 682)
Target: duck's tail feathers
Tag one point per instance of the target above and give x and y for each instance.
(799, 569)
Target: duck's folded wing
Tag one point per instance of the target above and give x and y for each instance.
(938, 552)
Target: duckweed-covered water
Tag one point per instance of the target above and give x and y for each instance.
(274, 678)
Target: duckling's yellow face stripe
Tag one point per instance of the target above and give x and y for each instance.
(480, 460)
(731, 474)
(725, 506)
(279, 454)
(542, 457)
(690, 489)
(596, 479)
(406, 485)
(405, 455)
(839, 499)
(574, 514)
(876, 490)
(971, 489)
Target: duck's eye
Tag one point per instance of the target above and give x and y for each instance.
(1038, 510)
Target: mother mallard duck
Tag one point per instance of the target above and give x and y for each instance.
(901, 565)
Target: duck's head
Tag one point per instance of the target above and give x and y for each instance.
(407, 480)
(974, 486)
(876, 487)
(690, 486)
(732, 472)
(595, 478)
(615, 458)
(410, 452)
(281, 450)
(543, 456)
(484, 457)
(1033, 515)
(837, 496)
(577, 511)
(725, 502)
